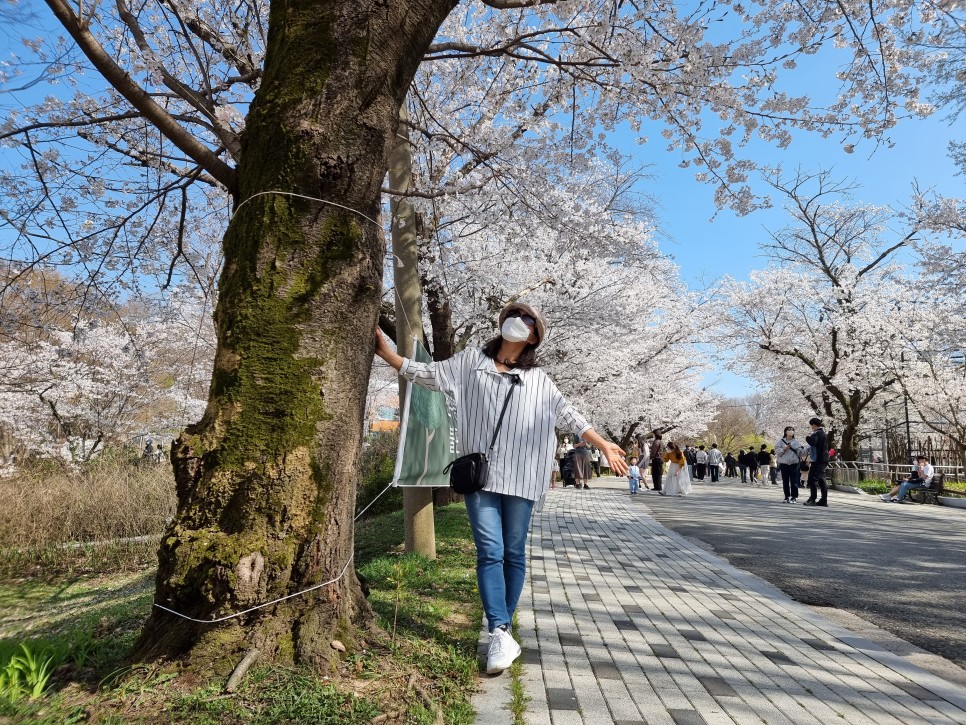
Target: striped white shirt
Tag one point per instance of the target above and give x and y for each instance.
(521, 460)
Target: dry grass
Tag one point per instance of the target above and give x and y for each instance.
(52, 514)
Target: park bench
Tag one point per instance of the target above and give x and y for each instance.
(931, 494)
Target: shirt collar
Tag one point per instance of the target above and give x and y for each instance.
(488, 365)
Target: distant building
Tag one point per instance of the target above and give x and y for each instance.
(383, 411)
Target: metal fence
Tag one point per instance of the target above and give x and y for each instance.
(843, 471)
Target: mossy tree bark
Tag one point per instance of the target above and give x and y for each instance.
(266, 480)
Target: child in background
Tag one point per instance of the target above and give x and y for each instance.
(633, 475)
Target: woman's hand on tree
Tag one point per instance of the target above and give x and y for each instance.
(385, 352)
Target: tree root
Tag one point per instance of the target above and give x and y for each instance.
(241, 669)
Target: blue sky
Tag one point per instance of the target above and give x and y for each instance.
(707, 248)
(708, 244)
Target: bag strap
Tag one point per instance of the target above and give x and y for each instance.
(514, 381)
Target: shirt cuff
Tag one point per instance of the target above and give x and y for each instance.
(404, 368)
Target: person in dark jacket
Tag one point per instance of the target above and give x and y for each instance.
(818, 440)
(743, 465)
(655, 451)
(751, 463)
(763, 459)
(731, 466)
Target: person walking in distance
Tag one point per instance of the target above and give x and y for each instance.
(789, 454)
(700, 462)
(816, 472)
(582, 459)
(763, 458)
(656, 454)
(715, 459)
(689, 456)
(743, 465)
(478, 381)
(751, 463)
(731, 465)
(595, 461)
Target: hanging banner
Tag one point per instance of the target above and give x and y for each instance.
(427, 440)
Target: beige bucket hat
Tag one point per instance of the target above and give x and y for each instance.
(527, 309)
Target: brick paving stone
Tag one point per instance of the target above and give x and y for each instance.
(686, 717)
(657, 630)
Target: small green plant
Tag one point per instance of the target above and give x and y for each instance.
(519, 698)
(27, 674)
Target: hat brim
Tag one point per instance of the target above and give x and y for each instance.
(523, 307)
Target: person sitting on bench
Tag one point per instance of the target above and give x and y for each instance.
(921, 477)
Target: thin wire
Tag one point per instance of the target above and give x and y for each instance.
(260, 606)
(346, 567)
(303, 196)
(340, 206)
(280, 599)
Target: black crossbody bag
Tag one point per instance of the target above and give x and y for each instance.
(467, 474)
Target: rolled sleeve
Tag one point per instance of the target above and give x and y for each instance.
(441, 376)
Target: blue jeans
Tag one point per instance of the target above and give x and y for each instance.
(633, 483)
(908, 486)
(500, 524)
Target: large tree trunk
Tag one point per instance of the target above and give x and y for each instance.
(266, 480)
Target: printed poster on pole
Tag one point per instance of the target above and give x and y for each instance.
(427, 438)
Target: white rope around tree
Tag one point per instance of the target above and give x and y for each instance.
(346, 567)
(280, 599)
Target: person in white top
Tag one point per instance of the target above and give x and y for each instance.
(477, 381)
(700, 462)
(921, 477)
(715, 459)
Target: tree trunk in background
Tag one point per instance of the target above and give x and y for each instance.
(266, 480)
(418, 521)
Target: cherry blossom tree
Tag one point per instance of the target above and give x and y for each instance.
(931, 371)
(821, 319)
(303, 99)
(70, 386)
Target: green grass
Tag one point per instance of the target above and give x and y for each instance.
(423, 674)
(518, 696)
(872, 485)
(878, 485)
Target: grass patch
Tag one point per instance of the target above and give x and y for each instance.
(878, 485)
(872, 485)
(518, 696)
(421, 670)
(107, 514)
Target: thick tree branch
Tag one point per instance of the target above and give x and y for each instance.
(139, 98)
(511, 4)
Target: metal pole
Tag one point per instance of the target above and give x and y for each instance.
(908, 433)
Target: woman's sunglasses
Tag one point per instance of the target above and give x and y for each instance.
(523, 316)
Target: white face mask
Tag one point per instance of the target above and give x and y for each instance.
(515, 330)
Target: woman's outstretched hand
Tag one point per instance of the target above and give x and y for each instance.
(615, 457)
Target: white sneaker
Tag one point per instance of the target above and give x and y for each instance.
(885, 496)
(503, 650)
(793, 500)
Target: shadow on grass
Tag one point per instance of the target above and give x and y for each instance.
(429, 608)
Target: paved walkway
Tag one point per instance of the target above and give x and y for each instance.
(624, 622)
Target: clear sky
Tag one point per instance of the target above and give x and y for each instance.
(707, 249)
(708, 245)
